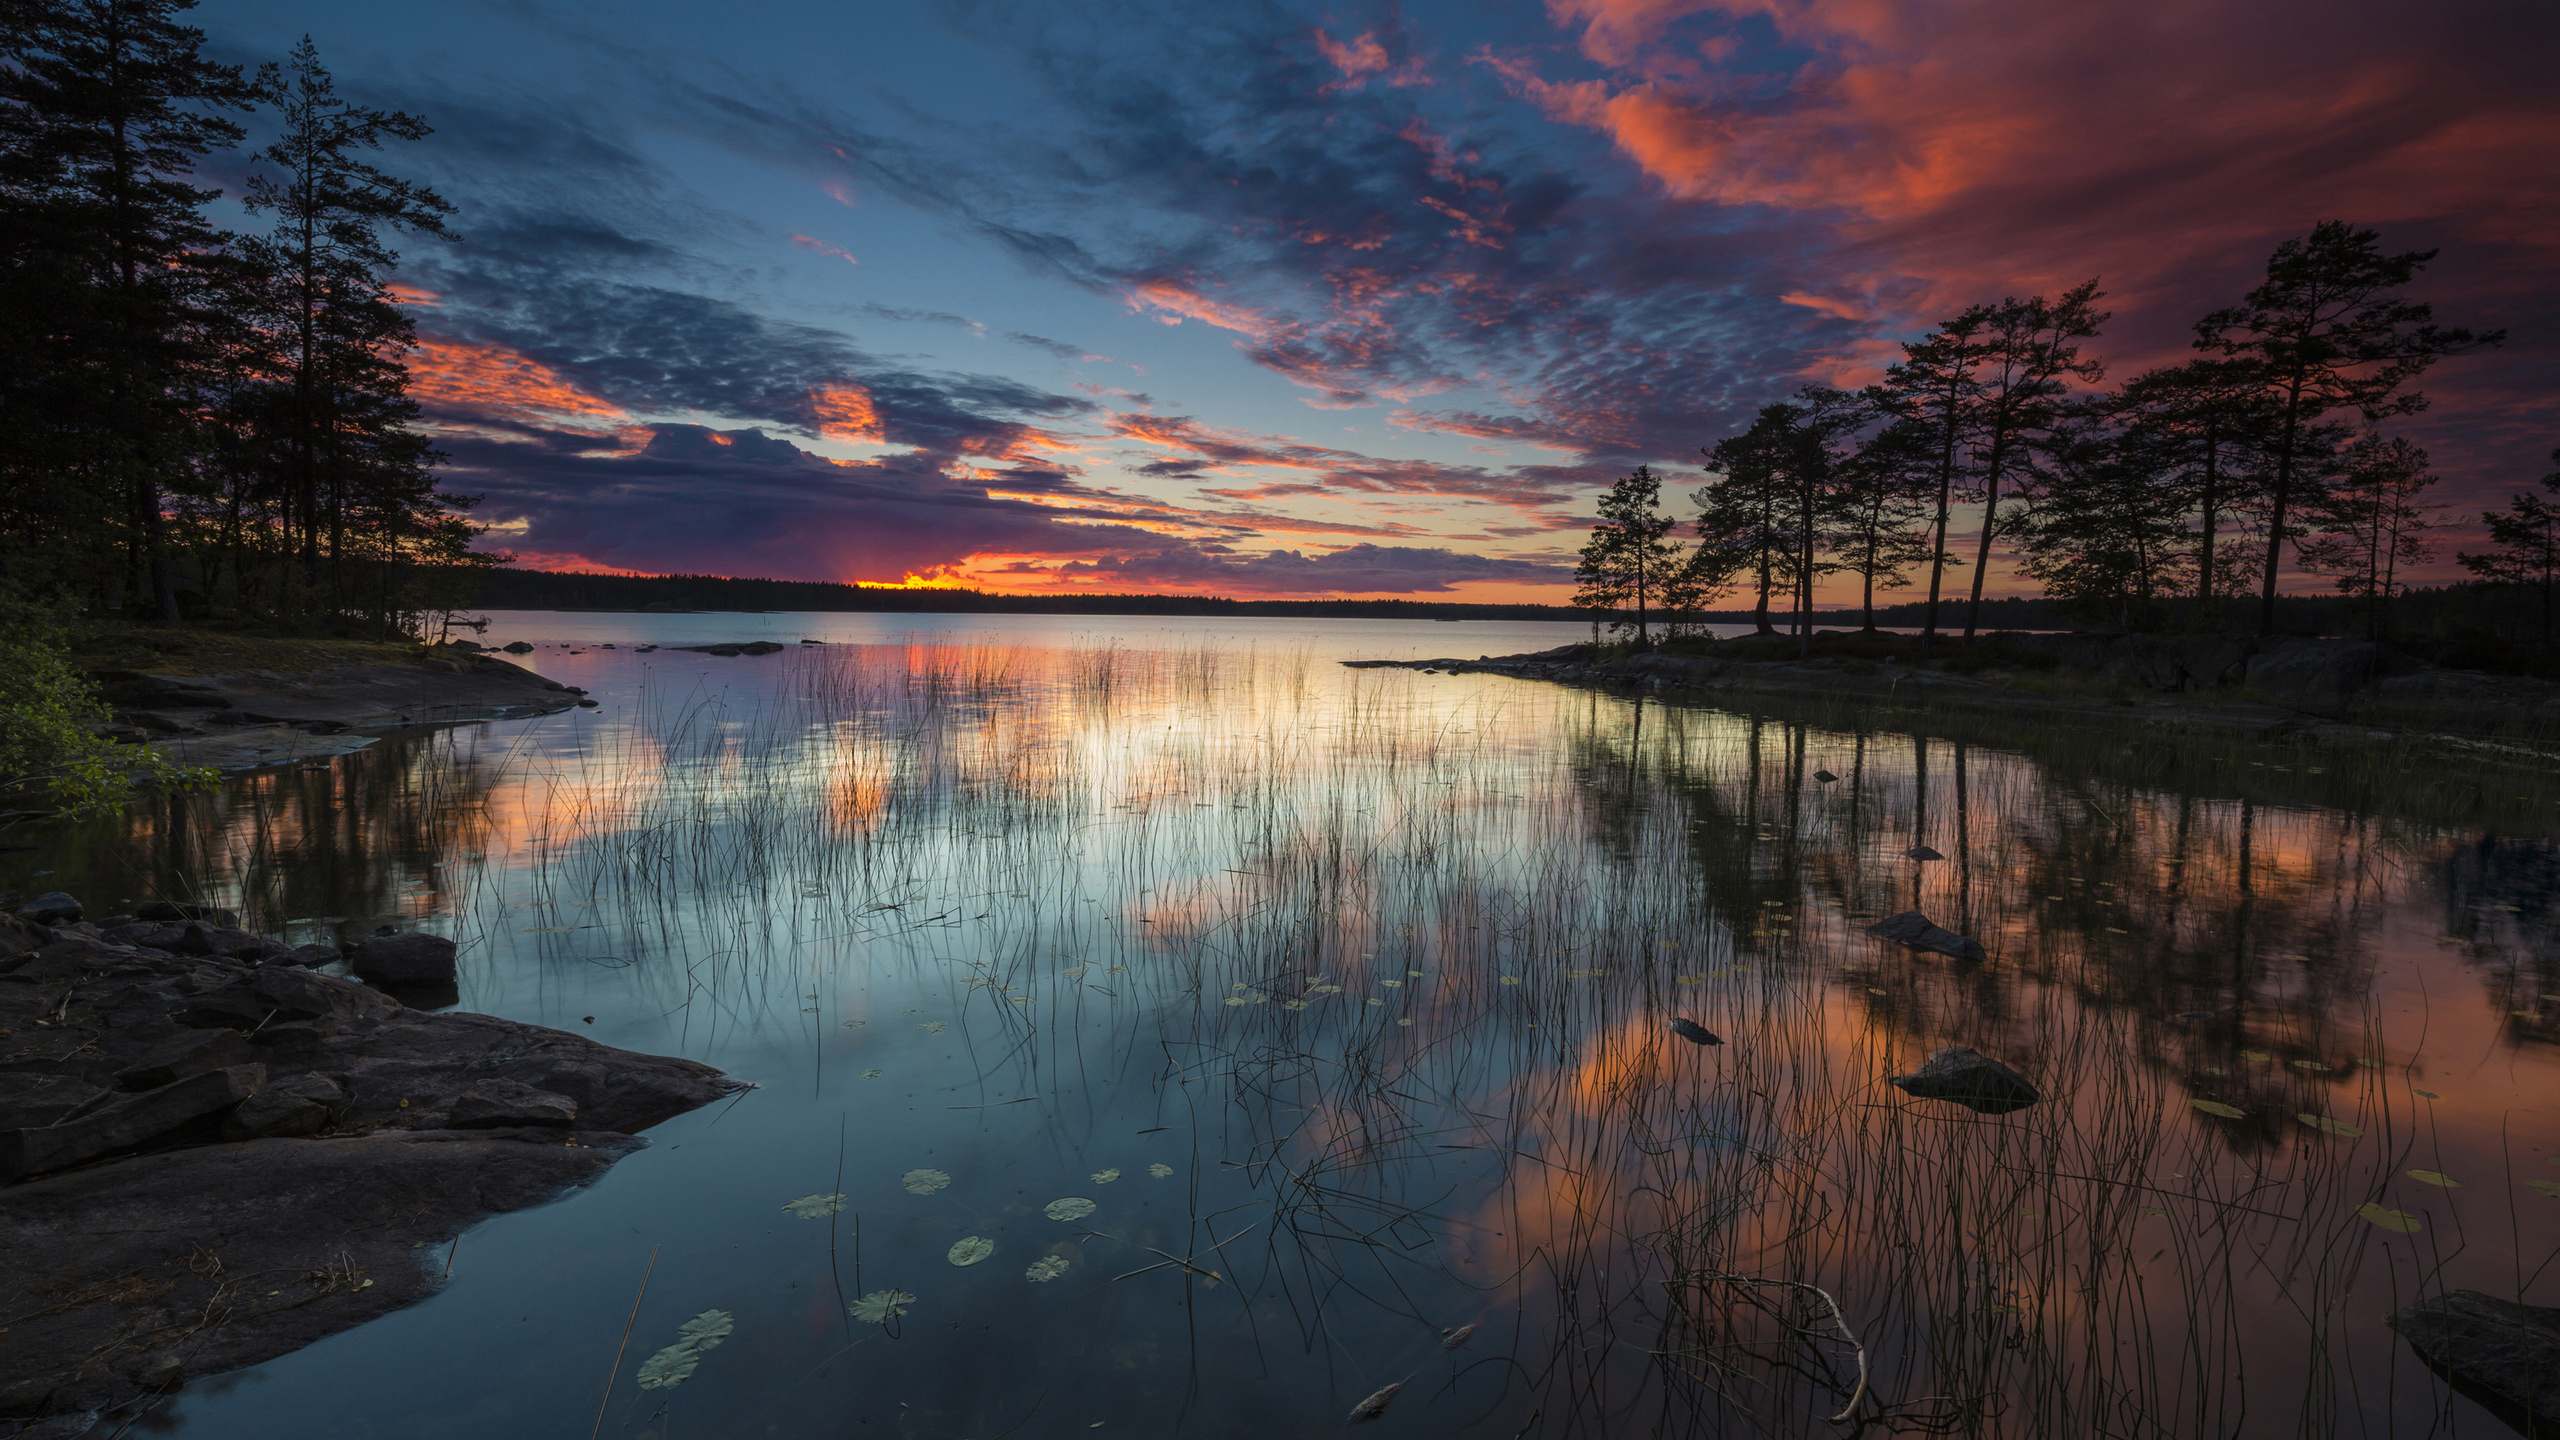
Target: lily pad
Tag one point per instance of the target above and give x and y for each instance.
(971, 1249)
(881, 1306)
(2547, 1187)
(1105, 1177)
(708, 1329)
(1159, 1170)
(669, 1367)
(933, 1027)
(2216, 1107)
(1073, 1207)
(1045, 1269)
(924, 1182)
(2397, 1221)
(2311, 1065)
(815, 1207)
(2437, 1178)
(2425, 1094)
(2327, 1126)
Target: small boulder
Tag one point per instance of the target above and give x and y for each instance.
(1920, 933)
(1693, 1032)
(306, 956)
(2502, 1354)
(492, 1104)
(52, 908)
(1971, 1079)
(1922, 852)
(1824, 777)
(517, 647)
(410, 959)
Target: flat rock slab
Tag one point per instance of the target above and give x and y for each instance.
(1921, 933)
(2500, 1353)
(229, 1255)
(220, 1160)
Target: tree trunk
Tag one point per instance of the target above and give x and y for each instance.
(2275, 508)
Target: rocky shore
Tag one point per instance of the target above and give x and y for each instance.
(2271, 688)
(236, 703)
(214, 1154)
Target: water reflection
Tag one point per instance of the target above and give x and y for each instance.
(1355, 985)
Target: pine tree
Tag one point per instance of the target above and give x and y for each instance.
(2105, 534)
(2207, 425)
(1881, 530)
(2028, 360)
(2327, 331)
(104, 113)
(349, 458)
(2528, 539)
(1629, 559)
(1938, 386)
(2373, 523)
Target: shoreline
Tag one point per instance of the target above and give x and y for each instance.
(242, 703)
(2342, 693)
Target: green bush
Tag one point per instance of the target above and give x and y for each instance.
(50, 750)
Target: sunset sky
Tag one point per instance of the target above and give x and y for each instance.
(1273, 300)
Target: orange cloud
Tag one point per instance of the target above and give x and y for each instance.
(1180, 302)
(845, 413)
(470, 376)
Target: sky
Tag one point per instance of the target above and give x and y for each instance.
(1274, 300)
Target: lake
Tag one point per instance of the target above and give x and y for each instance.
(1160, 1029)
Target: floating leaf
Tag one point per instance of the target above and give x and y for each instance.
(1293, 1004)
(855, 1024)
(2216, 1107)
(2327, 1126)
(881, 1306)
(2437, 1178)
(1324, 990)
(2398, 1221)
(1074, 972)
(924, 1182)
(1073, 1207)
(1045, 1269)
(2547, 1187)
(2425, 1094)
(1105, 1177)
(869, 1075)
(1458, 1337)
(2255, 1055)
(1376, 1405)
(708, 1329)
(2312, 1065)
(1238, 1000)
(669, 1367)
(971, 1249)
(933, 1027)
(1159, 1170)
(815, 1207)
(1392, 984)
(1510, 979)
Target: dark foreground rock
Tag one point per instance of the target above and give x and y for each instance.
(408, 960)
(1921, 933)
(1971, 1079)
(220, 1160)
(2504, 1355)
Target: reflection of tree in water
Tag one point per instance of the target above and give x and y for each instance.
(360, 839)
(2237, 934)
(2502, 902)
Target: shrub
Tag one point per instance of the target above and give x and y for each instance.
(49, 745)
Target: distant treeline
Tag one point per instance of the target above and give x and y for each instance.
(578, 590)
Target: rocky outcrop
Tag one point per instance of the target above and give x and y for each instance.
(175, 1120)
(2500, 1353)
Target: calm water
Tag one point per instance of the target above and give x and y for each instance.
(1339, 997)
